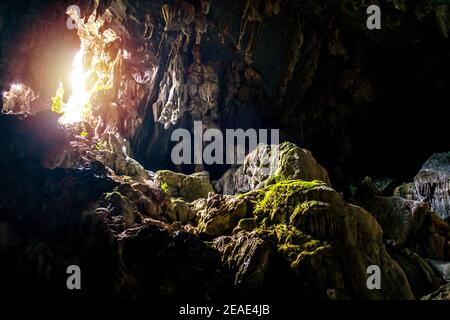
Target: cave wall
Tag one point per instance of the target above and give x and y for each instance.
(365, 102)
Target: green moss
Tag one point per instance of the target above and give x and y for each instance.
(312, 251)
(304, 208)
(296, 253)
(282, 234)
(57, 101)
(115, 198)
(165, 187)
(247, 224)
(280, 200)
(291, 243)
(189, 187)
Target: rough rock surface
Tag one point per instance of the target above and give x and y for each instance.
(248, 257)
(220, 214)
(115, 155)
(19, 99)
(412, 224)
(433, 183)
(287, 240)
(269, 163)
(188, 187)
(320, 88)
(443, 293)
(328, 243)
(421, 276)
(412, 231)
(407, 191)
(443, 268)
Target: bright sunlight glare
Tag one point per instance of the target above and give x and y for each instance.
(75, 108)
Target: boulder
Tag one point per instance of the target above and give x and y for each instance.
(119, 205)
(411, 224)
(270, 163)
(147, 197)
(248, 257)
(328, 243)
(179, 210)
(220, 214)
(114, 153)
(407, 191)
(188, 187)
(421, 276)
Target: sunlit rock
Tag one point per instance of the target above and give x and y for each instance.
(268, 164)
(220, 215)
(326, 242)
(189, 187)
(19, 99)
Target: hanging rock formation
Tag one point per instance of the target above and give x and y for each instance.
(432, 183)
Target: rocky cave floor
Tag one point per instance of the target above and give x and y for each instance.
(173, 237)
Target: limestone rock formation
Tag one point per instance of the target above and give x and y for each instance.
(320, 235)
(188, 187)
(407, 191)
(19, 99)
(248, 257)
(277, 231)
(269, 163)
(421, 276)
(115, 154)
(180, 211)
(443, 268)
(432, 183)
(220, 214)
(412, 224)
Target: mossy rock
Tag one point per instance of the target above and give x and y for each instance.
(220, 215)
(270, 164)
(407, 191)
(246, 224)
(188, 187)
(196, 186)
(119, 205)
(179, 211)
(318, 233)
(299, 203)
(298, 163)
(169, 181)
